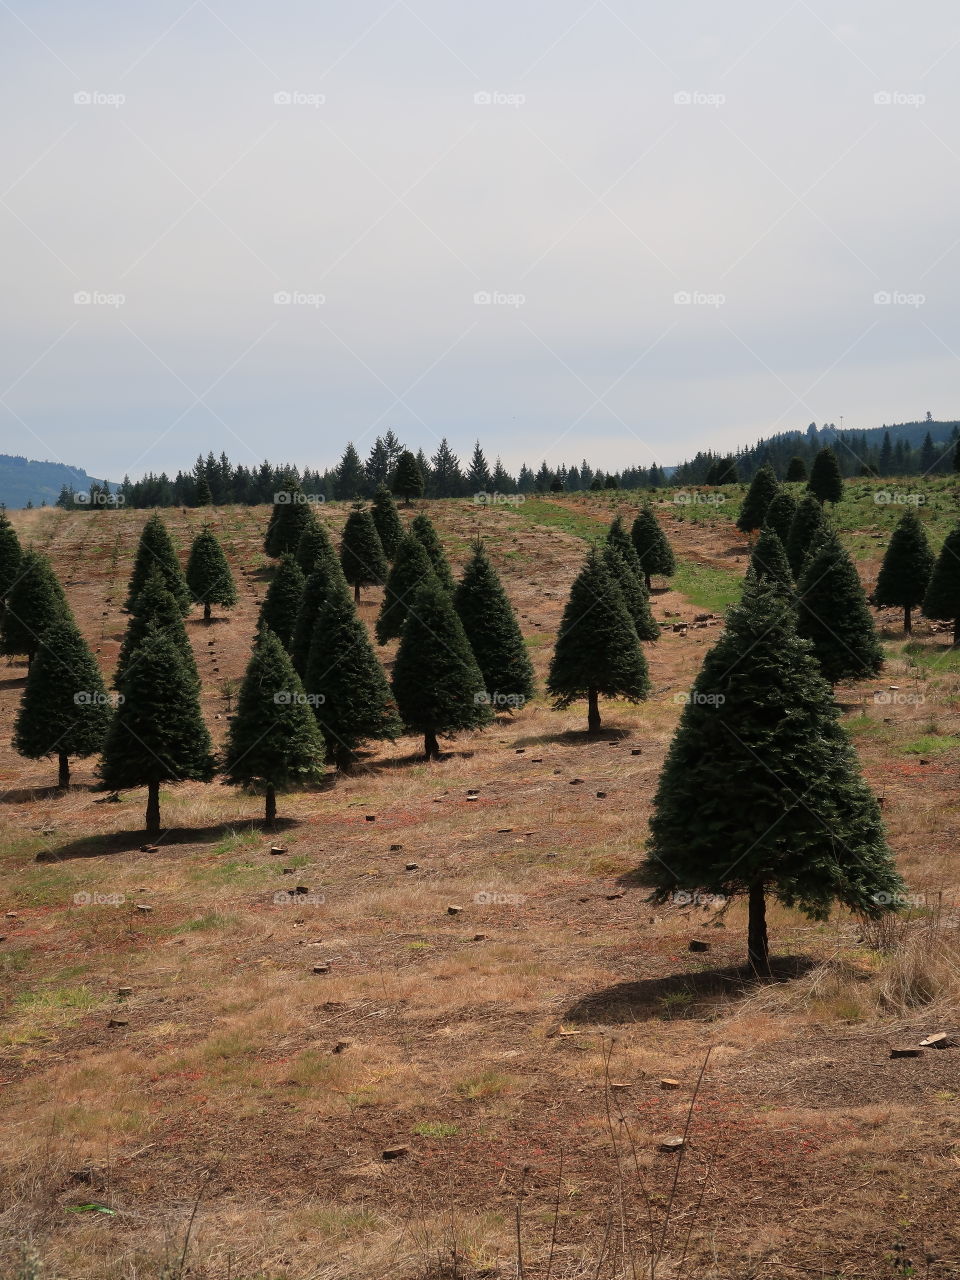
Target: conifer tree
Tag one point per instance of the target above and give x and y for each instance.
(769, 561)
(155, 606)
(634, 591)
(327, 579)
(157, 732)
(780, 515)
(598, 650)
(834, 615)
(314, 543)
(761, 724)
(352, 699)
(478, 475)
(410, 570)
(208, 574)
(282, 602)
(436, 680)
(796, 471)
(202, 495)
(361, 553)
(942, 599)
(422, 527)
(155, 550)
(826, 482)
(408, 479)
(806, 528)
(906, 570)
(65, 710)
(292, 513)
(387, 521)
(10, 555)
(764, 487)
(274, 740)
(493, 631)
(651, 545)
(34, 601)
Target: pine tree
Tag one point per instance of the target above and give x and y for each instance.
(826, 482)
(282, 602)
(834, 614)
(764, 487)
(493, 631)
(202, 495)
(410, 570)
(408, 480)
(352, 700)
(326, 580)
(361, 553)
(436, 680)
(956, 456)
(387, 521)
(34, 602)
(769, 561)
(478, 477)
(651, 545)
(156, 550)
(780, 515)
(906, 570)
(598, 650)
(633, 582)
(274, 740)
(208, 574)
(65, 710)
(942, 600)
(761, 725)
(155, 606)
(349, 477)
(157, 733)
(10, 555)
(796, 471)
(422, 528)
(806, 527)
(291, 515)
(446, 478)
(314, 543)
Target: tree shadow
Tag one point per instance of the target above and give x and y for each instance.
(13, 681)
(24, 795)
(404, 762)
(131, 841)
(574, 738)
(682, 994)
(216, 620)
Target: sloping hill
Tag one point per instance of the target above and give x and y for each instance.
(23, 480)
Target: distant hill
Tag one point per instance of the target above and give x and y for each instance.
(23, 481)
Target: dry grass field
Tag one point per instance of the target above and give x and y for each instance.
(228, 1118)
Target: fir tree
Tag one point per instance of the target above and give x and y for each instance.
(410, 570)
(314, 543)
(478, 477)
(493, 631)
(632, 583)
(806, 527)
(156, 551)
(326, 580)
(826, 482)
(763, 489)
(34, 602)
(349, 477)
(598, 650)
(10, 555)
(436, 680)
(157, 733)
(408, 479)
(780, 514)
(65, 710)
(282, 602)
(208, 574)
(352, 700)
(387, 521)
(651, 545)
(422, 528)
(202, 495)
(834, 614)
(274, 740)
(761, 725)
(906, 570)
(291, 515)
(796, 471)
(361, 553)
(769, 561)
(942, 599)
(155, 606)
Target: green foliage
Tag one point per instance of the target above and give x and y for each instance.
(494, 634)
(806, 528)
(291, 515)
(387, 521)
(361, 554)
(326, 580)
(155, 550)
(313, 546)
(208, 574)
(422, 528)
(65, 709)
(633, 589)
(780, 514)
(907, 566)
(155, 605)
(942, 598)
(826, 482)
(10, 554)
(34, 602)
(769, 561)
(763, 489)
(408, 480)
(651, 545)
(410, 570)
(834, 614)
(281, 604)
(796, 471)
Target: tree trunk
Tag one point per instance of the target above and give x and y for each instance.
(593, 712)
(356, 594)
(406, 499)
(956, 633)
(63, 782)
(758, 946)
(206, 612)
(343, 758)
(431, 746)
(153, 808)
(907, 621)
(270, 805)
(647, 576)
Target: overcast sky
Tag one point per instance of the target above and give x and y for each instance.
(583, 164)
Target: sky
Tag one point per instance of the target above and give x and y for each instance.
(620, 231)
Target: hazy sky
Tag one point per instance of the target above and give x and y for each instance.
(779, 163)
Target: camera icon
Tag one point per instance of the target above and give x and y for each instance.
(283, 98)
(883, 98)
(82, 98)
(683, 98)
(482, 299)
(882, 299)
(282, 299)
(682, 299)
(81, 899)
(483, 98)
(82, 299)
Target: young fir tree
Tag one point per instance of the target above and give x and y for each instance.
(651, 545)
(202, 495)
(780, 515)
(762, 725)
(387, 521)
(65, 710)
(10, 555)
(155, 606)
(764, 487)
(598, 650)
(906, 570)
(796, 471)
(942, 599)
(291, 514)
(436, 680)
(314, 543)
(208, 574)
(834, 615)
(806, 528)
(422, 527)
(157, 733)
(34, 601)
(327, 579)
(408, 481)
(826, 482)
(633, 590)
(274, 740)
(156, 551)
(410, 570)
(352, 700)
(769, 562)
(493, 631)
(281, 604)
(361, 553)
